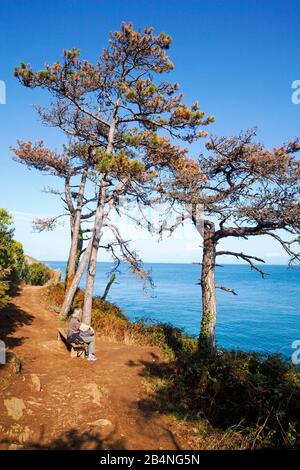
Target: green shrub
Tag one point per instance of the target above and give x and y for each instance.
(4, 297)
(38, 274)
(13, 266)
(257, 394)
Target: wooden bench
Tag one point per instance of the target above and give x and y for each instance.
(76, 350)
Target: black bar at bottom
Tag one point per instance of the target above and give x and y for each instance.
(132, 459)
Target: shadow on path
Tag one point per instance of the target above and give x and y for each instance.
(11, 319)
(74, 440)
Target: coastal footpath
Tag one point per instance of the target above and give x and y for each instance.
(62, 403)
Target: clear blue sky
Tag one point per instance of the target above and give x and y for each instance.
(238, 58)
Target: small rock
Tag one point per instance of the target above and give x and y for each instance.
(24, 435)
(36, 382)
(103, 422)
(96, 392)
(20, 433)
(104, 427)
(15, 407)
(15, 447)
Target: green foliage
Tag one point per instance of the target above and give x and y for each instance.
(131, 95)
(4, 297)
(13, 266)
(152, 88)
(6, 224)
(38, 274)
(18, 261)
(257, 394)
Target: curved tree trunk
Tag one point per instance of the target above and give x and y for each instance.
(93, 245)
(108, 286)
(70, 293)
(82, 265)
(90, 282)
(73, 253)
(76, 242)
(209, 310)
(69, 279)
(74, 245)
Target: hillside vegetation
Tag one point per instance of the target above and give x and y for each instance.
(16, 268)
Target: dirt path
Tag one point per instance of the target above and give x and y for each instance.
(59, 402)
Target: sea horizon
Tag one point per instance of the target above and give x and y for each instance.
(185, 262)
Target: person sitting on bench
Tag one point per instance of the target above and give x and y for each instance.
(78, 330)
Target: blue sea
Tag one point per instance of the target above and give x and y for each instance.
(264, 316)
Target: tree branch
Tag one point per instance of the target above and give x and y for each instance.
(246, 258)
(287, 246)
(226, 289)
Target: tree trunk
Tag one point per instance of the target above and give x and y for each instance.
(73, 253)
(82, 265)
(209, 311)
(90, 282)
(108, 286)
(70, 293)
(76, 242)
(90, 278)
(92, 246)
